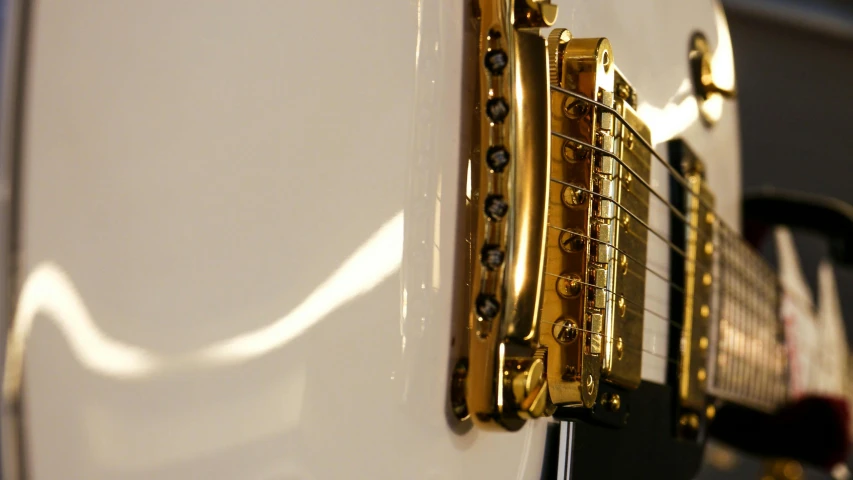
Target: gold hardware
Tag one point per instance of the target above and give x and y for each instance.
(457, 390)
(510, 183)
(576, 271)
(573, 197)
(565, 330)
(613, 402)
(709, 94)
(529, 388)
(710, 412)
(571, 242)
(697, 292)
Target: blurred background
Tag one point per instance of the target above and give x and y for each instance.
(794, 64)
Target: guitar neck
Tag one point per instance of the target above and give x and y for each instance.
(748, 362)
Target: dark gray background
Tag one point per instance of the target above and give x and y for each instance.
(794, 67)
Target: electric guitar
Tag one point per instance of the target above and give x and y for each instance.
(425, 240)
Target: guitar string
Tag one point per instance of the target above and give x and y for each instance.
(677, 176)
(630, 302)
(624, 345)
(769, 298)
(724, 228)
(682, 253)
(619, 160)
(625, 210)
(673, 173)
(633, 259)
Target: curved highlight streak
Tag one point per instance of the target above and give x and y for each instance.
(373, 262)
(49, 291)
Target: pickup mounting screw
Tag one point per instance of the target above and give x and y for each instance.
(623, 307)
(623, 263)
(620, 348)
(590, 384)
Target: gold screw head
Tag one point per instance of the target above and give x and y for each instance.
(627, 179)
(573, 197)
(574, 108)
(623, 307)
(701, 375)
(620, 348)
(575, 152)
(571, 242)
(703, 343)
(590, 384)
(569, 286)
(614, 402)
(710, 412)
(707, 279)
(565, 330)
(626, 220)
(704, 311)
(709, 248)
(710, 218)
(623, 264)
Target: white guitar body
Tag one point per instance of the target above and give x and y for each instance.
(239, 224)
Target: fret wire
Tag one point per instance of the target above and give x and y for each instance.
(638, 219)
(630, 257)
(630, 302)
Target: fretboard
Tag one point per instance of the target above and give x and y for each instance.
(748, 361)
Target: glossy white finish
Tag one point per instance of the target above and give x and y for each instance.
(240, 237)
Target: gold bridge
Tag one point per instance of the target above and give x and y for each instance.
(561, 184)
